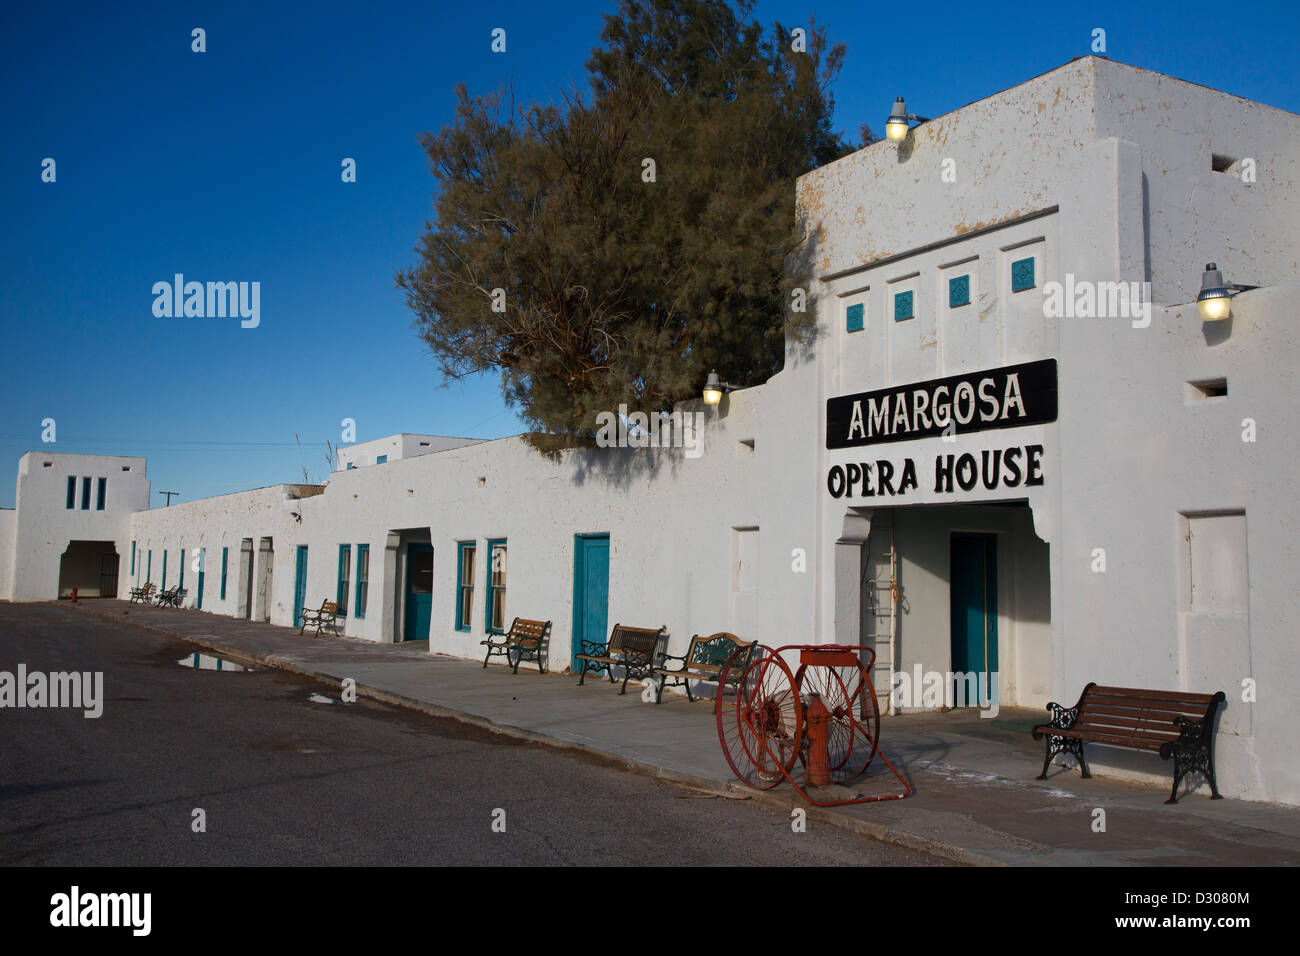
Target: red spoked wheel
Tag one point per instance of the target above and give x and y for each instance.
(854, 733)
(761, 727)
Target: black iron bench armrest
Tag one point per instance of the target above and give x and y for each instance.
(664, 659)
(1063, 718)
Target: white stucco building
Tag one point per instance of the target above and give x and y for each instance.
(1113, 502)
(72, 514)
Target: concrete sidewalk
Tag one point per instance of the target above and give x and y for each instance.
(975, 798)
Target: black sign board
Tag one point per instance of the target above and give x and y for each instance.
(959, 404)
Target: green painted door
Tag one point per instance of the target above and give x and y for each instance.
(590, 590)
(299, 585)
(974, 605)
(419, 592)
(203, 557)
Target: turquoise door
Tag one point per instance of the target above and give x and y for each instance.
(299, 585)
(974, 605)
(590, 590)
(203, 558)
(419, 592)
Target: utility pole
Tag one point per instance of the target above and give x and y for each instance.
(169, 496)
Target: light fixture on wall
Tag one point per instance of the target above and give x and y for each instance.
(714, 388)
(1214, 301)
(899, 123)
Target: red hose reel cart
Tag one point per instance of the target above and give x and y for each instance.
(824, 715)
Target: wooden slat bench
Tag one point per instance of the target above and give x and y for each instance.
(327, 616)
(631, 648)
(524, 639)
(1174, 724)
(703, 661)
(142, 594)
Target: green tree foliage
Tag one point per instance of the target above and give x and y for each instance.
(618, 289)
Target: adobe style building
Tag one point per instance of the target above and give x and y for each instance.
(71, 514)
(1013, 449)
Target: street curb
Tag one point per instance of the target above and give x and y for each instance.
(875, 831)
(878, 831)
(412, 703)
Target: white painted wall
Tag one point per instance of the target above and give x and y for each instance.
(1193, 214)
(1141, 458)
(8, 522)
(440, 495)
(216, 523)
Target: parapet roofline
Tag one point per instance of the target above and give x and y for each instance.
(80, 454)
(283, 485)
(887, 144)
(1179, 79)
(1092, 61)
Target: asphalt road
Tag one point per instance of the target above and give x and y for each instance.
(283, 780)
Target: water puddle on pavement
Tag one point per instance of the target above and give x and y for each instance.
(210, 662)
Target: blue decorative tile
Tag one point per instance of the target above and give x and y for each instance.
(902, 306)
(1022, 274)
(958, 291)
(854, 314)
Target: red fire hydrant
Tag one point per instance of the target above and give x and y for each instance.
(74, 595)
(819, 761)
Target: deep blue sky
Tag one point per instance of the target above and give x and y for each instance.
(225, 166)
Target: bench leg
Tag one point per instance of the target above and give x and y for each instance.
(1058, 745)
(1180, 771)
(519, 658)
(659, 694)
(583, 676)
(1047, 759)
(1191, 761)
(541, 665)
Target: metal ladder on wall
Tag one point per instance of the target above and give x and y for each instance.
(880, 605)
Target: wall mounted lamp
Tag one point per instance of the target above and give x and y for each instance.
(1214, 301)
(713, 389)
(899, 123)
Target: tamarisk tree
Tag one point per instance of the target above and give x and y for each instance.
(614, 246)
